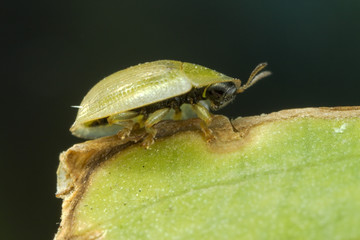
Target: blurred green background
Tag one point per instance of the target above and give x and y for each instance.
(52, 53)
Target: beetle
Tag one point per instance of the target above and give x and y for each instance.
(145, 94)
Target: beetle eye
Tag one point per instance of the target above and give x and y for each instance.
(217, 91)
(222, 90)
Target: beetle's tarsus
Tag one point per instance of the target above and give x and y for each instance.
(208, 133)
(128, 125)
(124, 133)
(148, 141)
(153, 119)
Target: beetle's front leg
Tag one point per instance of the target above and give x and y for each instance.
(153, 118)
(206, 117)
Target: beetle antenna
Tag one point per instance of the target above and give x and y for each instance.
(255, 76)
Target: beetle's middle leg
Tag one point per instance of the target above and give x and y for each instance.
(153, 119)
(127, 120)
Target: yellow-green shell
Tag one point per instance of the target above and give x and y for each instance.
(142, 85)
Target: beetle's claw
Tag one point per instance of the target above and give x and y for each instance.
(148, 141)
(209, 135)
(210, 138)
(124, 133)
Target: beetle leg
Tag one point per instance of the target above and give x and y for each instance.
(127, 120)
(128, 127)
(177, 114)
(122, 116)
(204, 114)
(153, 118)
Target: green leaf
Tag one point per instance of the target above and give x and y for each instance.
(287, 175)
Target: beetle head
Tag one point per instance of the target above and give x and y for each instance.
(221, 94)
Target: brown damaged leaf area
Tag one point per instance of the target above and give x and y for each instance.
(81, 160)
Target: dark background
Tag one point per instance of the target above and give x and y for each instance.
(53, 52)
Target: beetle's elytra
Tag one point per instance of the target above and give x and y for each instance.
(145, 94)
